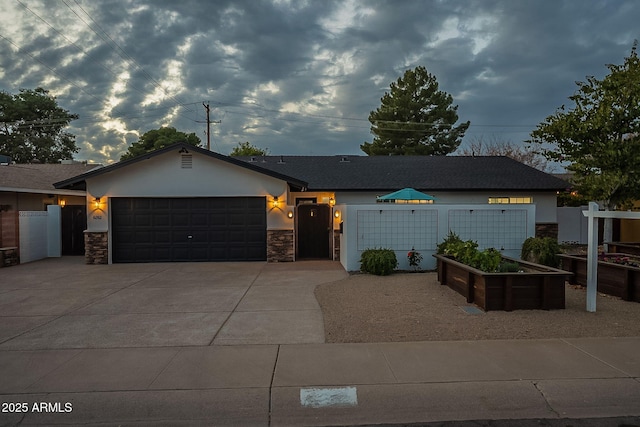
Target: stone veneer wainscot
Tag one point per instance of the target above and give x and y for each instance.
(280, 246)
(96, 247)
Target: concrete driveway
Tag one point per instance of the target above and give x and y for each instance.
(63, 303)
(243, 344)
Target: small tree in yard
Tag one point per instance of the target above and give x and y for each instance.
(600, 137)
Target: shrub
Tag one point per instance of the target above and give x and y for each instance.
(380, 262)
(541, 250)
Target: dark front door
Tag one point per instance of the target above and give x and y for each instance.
(74, 222)
(189, 229)
(314, 225)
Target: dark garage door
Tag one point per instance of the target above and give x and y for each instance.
(189, 229)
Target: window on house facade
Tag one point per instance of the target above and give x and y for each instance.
(510, 200)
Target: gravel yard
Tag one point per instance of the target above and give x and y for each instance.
(415, 307)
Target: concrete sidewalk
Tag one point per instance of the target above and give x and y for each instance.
(326, 384)
(158, 344)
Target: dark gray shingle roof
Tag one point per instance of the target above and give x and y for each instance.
(39, 176)
(425, 173)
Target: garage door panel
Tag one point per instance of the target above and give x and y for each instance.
(161, 220)
(180, 219)
(199, 219)
(142, 220)
(148, 230)
(162, 237)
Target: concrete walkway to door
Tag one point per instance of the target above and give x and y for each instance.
(63, 303)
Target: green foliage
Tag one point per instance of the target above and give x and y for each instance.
(466, 252)
(33, 127)
(380, 262)
(541, 250)
(415, 118)
(159, 138)
(247, 149)
(449, 244)
(487, 260)
(508, 267)
(600, 135)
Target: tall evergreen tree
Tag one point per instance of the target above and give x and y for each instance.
(415, 118)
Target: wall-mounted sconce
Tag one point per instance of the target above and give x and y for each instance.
(336, 214)
(275, 202)
(332, 201)
(96, 203)
(62, 203)
(290, 214)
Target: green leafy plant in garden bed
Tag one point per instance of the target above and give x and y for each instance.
(380, 262)
(541, 250)
(466, 252)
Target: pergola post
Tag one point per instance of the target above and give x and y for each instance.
(592, 257)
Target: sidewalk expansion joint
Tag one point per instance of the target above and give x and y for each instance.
(273, 376)
(546, 402)
(233, 310)
(626, 374)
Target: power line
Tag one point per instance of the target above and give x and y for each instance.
(119, 50)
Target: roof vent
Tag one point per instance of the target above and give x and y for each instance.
(252, 159)
(281, 161)
(344, 159)
(186, 161)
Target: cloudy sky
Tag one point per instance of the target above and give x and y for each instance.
(300, 77)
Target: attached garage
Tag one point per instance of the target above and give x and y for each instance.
(183, 203)
(189, 229)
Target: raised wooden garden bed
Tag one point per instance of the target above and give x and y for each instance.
(631, 248)
(537, 287)
(613, 279)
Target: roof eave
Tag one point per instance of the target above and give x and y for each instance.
(79, 179)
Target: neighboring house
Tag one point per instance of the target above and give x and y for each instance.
(29, 187)
(184, 203)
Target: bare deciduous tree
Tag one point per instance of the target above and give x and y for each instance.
(497, 147)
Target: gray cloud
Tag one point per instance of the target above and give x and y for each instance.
(300, 77)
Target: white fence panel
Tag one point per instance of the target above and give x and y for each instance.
(572, 225)
(405, 227)
(33, 235)
(40, 234)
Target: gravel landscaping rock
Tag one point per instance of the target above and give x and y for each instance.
(415, 307)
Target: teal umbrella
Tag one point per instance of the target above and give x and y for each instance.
(406, 195)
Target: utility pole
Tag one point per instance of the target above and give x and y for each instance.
(206, 107)
(208, 122)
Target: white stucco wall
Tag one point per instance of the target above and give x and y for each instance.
(545, 202)
(163, 176)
